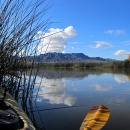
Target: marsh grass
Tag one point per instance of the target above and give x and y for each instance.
(20, 20)
(112, 64)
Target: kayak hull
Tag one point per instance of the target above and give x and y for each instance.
(10, 101)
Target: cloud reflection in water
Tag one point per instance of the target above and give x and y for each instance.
(55, 91)
(121, 78)
(116, 100)
(98, 87)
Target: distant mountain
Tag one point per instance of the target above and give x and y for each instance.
(65, 57)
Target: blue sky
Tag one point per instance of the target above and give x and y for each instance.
(93, 27)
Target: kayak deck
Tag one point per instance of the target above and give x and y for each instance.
(10, 101)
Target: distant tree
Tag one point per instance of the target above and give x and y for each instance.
(127, 63)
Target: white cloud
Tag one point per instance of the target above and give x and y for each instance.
(121, 78)
(109, 31)
(121, 53)
(56, 42)
(55, 92)
(63, 52)
(99, 44)
(40, 32)
(115, 32)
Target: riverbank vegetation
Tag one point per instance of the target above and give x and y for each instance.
(112, 64)
(20, 21)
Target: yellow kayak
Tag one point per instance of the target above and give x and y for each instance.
(11, 110)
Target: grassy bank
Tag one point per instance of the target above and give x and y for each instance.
(112, 64)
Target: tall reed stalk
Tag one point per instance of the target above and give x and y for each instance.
(20, 20)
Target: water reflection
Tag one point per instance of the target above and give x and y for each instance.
(121, 78)
(116, 100)
(98, 87)
(54, 90)
(84, 89)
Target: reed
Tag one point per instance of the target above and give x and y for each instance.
(20, 20)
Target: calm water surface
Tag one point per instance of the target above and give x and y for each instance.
(63, 97)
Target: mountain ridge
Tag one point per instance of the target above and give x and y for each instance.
(65, 57)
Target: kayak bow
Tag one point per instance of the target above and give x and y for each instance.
(10, 109)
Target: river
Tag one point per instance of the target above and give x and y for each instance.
(62, 97)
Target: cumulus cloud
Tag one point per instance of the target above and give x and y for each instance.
(99, 44)
(56, 42)
(55, 92)
(121, 78)
(115, 32)
(121, 53)
(98, 87)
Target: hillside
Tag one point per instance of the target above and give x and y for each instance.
(65, 57)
